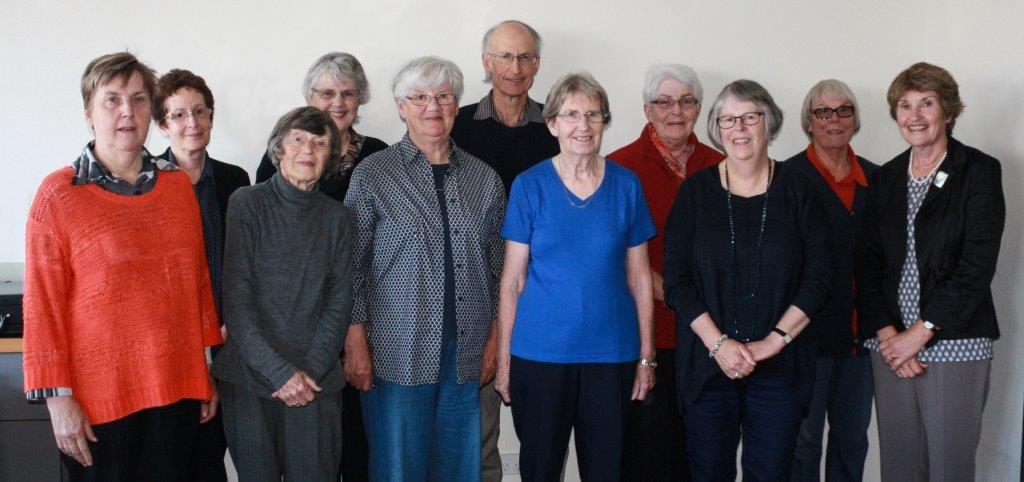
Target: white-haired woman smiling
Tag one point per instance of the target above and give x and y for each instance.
(427, 261)
(746, 261)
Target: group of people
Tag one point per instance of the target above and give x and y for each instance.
(364, 309)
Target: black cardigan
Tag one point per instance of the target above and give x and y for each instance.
(226, 179)
(957, 230)
(831, 326)
(796, 269)
(335, 188)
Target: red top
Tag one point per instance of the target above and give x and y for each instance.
(118, 304)
(845, 188)
(660, 183)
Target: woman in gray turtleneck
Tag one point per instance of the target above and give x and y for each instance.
(287, 301)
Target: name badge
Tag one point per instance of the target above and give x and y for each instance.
(940, 179)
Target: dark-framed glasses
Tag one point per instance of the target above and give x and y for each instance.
(748, 119)
(182, 115)
(444, 98)
(665, 103)
(527, 59)
(575, 116)
(330, 94)
(825, 113)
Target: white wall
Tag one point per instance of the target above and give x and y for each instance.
(254, 54)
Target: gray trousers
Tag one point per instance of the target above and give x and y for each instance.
(490, 426)
(268, 439)
(929, 426)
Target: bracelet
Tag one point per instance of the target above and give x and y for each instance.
(718, 344)
(785, 336)
(649, 362)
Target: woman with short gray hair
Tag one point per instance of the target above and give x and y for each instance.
(337, 85)
(843, 389)
(746, 261)
(575, 318)
(666, 154)
(287, 300)
(426, 267)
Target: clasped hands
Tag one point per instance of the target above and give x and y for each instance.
(738, 360)
(900, 349)
(298, 391)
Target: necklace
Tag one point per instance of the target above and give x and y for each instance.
(927, 177)
(568, 195)
(732, 246)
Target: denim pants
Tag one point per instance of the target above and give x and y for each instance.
(762, 409)
(843, 389)
(425, 432)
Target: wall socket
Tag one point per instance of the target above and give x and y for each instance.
(510, 464)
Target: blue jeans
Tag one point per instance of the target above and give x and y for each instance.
(426, 432)
(763, 409)
(844, 389)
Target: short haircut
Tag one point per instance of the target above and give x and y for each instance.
(581, 83)
(828, 88)
(337, 66)
(745, 91)
(427, 72)
(485, 46)
(682, 73)
(925, 77)
(173, 81)
(311, 120)
(121, 65)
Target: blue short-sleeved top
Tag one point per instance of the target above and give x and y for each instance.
(576, 306)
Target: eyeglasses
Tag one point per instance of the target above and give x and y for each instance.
(302, 139)
(182, 115)
(825, 113)
(748, 119)
(593, 117)
(666, 103)
(330, 94)
(444, 98)
(527, 59)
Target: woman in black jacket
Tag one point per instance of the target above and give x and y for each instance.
(925, 262)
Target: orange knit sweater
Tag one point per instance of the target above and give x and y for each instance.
(118, 304)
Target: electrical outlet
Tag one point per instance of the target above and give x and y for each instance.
(510, 464)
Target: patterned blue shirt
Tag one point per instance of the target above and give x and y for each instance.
(398, 260)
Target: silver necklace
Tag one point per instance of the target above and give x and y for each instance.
(927, 177)
(565, 191)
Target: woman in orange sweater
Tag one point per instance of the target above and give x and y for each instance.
(118, 304)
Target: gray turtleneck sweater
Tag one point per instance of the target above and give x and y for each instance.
(287, 287)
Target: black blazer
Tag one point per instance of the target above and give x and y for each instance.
(832, 325)
(226, 179)
(957, 233)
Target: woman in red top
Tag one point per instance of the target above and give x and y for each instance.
(665, 155)
(118, 305)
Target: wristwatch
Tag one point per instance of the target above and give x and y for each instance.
(785, 336)
(930, 326)
(649, 363)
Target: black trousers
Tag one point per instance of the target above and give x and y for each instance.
(355, 453)
(654, 449)
(207, 460)
(149, 445)
(549, 400)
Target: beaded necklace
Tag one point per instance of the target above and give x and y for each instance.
(732, 247)
(927, 177)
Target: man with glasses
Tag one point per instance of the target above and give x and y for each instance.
(507, 131)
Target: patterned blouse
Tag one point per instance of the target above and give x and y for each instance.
(909, 292)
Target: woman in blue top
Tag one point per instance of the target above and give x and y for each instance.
(577, 287)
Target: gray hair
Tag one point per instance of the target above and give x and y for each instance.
(682, 73)
(828, 88)
(311, 120)
(337, 66)
(745, 91)
(485, 46)
(581, 83)
(427, 72)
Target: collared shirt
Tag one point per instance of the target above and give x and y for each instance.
(213, 226)
(89, 170)
(398, 261)
(485, 110)
(845, 188)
